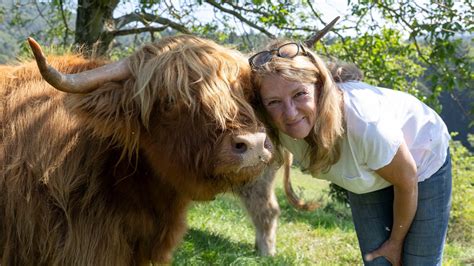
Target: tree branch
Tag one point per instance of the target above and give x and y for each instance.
(63, 16)
(298, 28)
(240, 17)
(40, 13)
(246, 9)
(349, 53)
(314, 12)
(137, 30)
(127, 19)
(147, 18)
(412, 35)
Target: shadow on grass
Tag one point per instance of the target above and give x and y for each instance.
(206, 248)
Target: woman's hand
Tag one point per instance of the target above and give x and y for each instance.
(391, 250)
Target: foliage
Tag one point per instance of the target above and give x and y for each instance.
(385, 58)
(338, 194)
(437, 26)
(6, 44)
(462, 211)
(51, 25)
(2, 14)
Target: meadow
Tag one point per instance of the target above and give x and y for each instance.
(220, 233)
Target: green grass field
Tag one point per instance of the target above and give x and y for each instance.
(220, 233)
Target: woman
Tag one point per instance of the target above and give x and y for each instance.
(388, 149)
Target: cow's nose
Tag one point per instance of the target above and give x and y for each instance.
(241, 143)
(255, 145)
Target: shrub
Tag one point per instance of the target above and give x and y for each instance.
(338, 194)
(461, 224)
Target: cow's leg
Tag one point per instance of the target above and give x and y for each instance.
(260, 200)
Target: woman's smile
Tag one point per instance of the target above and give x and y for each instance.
(295, 123)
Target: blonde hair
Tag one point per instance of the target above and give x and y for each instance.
(324, 139)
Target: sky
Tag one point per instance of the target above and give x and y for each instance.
(332, 9)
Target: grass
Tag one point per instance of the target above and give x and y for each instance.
(220, 233)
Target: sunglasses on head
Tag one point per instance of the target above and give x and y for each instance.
(287, 50)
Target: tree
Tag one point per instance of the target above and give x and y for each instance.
(94, 19)
(429, 33)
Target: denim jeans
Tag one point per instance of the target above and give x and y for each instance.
(372, 214)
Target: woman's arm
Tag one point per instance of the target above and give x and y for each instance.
(401, 172)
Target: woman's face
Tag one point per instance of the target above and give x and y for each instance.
(291, 105)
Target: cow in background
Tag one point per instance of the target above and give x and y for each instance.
(104, 174)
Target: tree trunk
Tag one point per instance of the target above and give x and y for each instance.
(93, 26)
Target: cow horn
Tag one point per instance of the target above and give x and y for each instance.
(316, 37)
(290, 193)
(83, 82)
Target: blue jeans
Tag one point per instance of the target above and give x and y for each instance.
(372, 214)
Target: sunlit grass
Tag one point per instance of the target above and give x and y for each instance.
(220, 233)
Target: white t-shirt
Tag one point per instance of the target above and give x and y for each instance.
(378, 120)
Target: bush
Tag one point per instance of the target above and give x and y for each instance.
(461, 224)
(338, 194)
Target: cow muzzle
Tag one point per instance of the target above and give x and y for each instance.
(253, 149)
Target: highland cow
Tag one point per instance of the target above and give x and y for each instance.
(104, 174)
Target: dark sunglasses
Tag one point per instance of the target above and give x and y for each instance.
(287, 50)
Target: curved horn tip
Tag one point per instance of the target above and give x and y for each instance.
(34, 45)
(31, 40)
(36, 49)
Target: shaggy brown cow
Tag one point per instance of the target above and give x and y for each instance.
(105, 177)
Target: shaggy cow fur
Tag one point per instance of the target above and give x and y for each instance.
(105, 178)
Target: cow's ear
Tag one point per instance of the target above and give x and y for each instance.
(111, 114)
